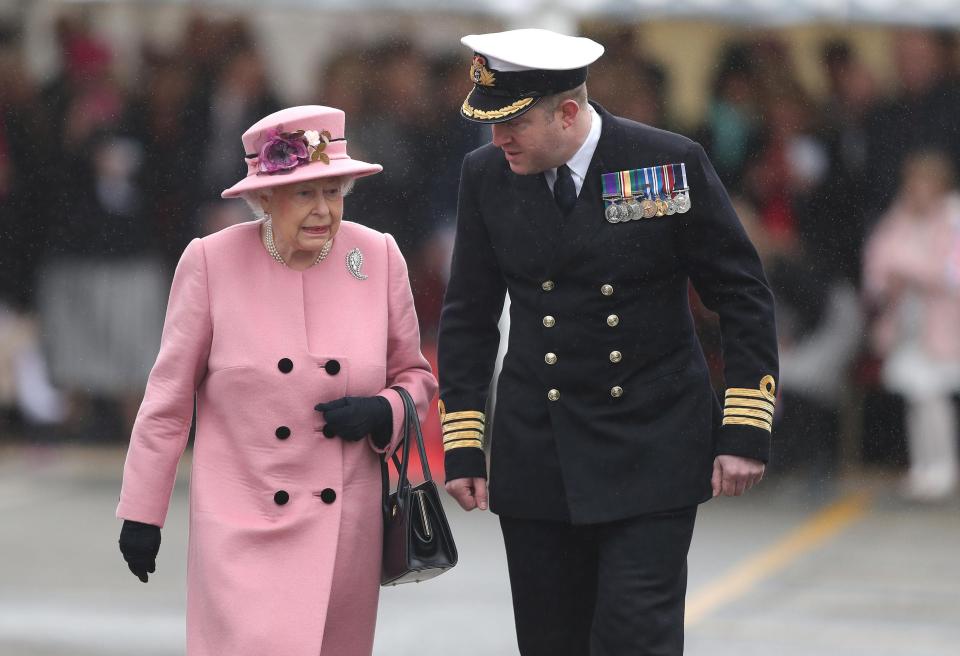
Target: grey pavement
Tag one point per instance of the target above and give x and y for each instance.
(884, 584)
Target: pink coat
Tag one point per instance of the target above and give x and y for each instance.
(904, 254)
(285, 529)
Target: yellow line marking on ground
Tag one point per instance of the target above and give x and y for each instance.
(808, 536)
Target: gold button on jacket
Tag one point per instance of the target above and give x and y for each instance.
(548, 285)
(613, 320)
(553, 395)
(550, 358)
(616, 392)
(549, 322)
(615, 356)
(606, 290)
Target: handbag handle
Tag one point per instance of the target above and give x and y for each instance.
(411, 431)
(412, 426)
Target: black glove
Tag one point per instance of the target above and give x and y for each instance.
(139, 544)
(353, 417)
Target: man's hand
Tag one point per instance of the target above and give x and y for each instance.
(470, 493)
(733, 475)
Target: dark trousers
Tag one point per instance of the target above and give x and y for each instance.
(614, 589)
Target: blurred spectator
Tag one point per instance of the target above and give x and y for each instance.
(949, 43)
(835, 211)
(26, 151)
(787, 164)
(25, 387)
(443, 153)
(645, 99)
(240, 95)
(731, 121)
(207, 44)
(85, 96)
(628, 83)
(25, 390)
(102, 286)
(772, 68)
(166, 117)
(397, 126)
(345, 84)
(912, 281)
(923, 113)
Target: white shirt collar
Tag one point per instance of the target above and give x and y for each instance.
(580, 162)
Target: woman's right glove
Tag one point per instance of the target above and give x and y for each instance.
(139, 544)
(353, 417)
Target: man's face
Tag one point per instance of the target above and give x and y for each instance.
(532, 142)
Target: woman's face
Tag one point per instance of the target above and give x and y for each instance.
(306, 214)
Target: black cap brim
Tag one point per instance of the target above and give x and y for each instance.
(484, 108)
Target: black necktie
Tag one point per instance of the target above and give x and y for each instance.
(564, 191)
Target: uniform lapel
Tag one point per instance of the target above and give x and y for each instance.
(586, 220)
(538, 213)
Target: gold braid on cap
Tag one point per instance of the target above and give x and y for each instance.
(513, 108)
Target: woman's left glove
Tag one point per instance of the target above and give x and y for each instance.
(354, 417)
(139, 544)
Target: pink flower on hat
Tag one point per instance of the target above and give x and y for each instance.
(295, 144)
(282, 151)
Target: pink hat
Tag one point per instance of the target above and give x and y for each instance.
(297, 144)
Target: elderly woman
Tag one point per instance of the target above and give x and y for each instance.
(290, 332)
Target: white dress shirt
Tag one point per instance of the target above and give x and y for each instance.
(580, 161)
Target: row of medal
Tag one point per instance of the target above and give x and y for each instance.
(621, 210)
(646, 193)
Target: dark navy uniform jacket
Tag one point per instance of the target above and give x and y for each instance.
(604, 405)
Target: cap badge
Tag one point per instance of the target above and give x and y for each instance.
(480, 74)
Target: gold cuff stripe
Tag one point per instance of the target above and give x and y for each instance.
(459, 435)
(460, 444)
(513, 108)
(744, 412)
(734, 402)
(462, 425)
(463, 415)
(743, 391)
(744, 421)
(766, 390)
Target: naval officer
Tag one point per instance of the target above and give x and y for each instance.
(607, 433)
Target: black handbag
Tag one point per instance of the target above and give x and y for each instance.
(417, 542)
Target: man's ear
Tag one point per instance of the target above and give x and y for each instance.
(569, 110)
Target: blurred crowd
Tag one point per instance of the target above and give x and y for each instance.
(850, 198)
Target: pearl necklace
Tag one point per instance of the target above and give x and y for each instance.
(272, 246)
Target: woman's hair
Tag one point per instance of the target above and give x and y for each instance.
(252, 198)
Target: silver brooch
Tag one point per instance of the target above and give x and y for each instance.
(354, 262)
